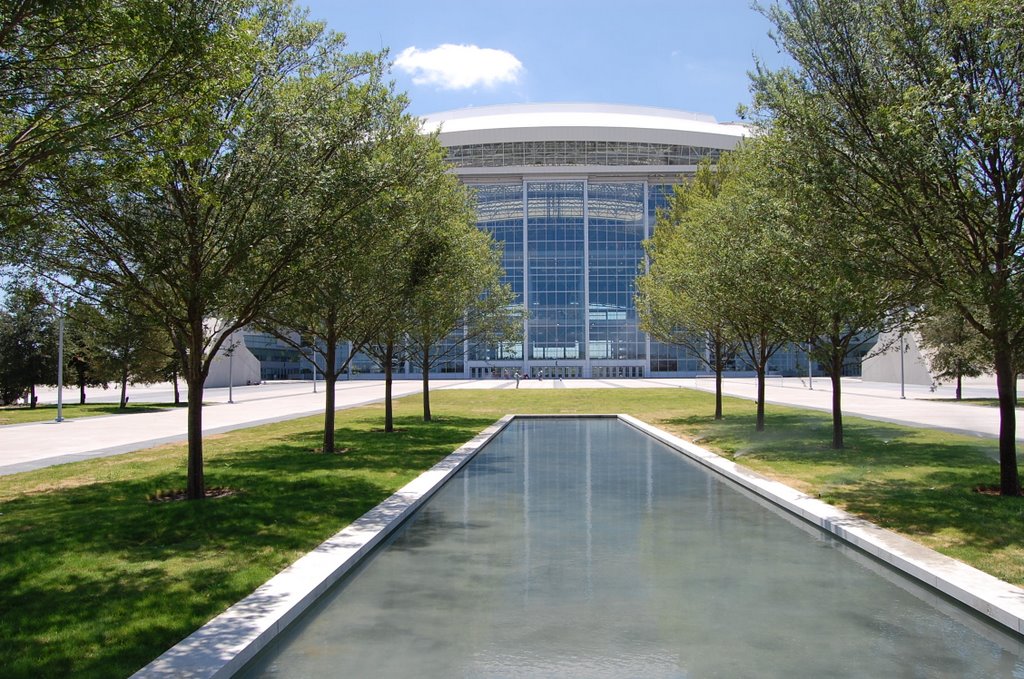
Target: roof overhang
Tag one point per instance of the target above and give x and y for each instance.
(582, 122)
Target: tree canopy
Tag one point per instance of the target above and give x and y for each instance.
(197, 220)
(76, 75)
(911, 114)
(670, 304)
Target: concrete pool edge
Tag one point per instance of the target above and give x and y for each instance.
(222, 646)
(997, 600)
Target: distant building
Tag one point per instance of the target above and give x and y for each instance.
(571, 191)
(235, 364)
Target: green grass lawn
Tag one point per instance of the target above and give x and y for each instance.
(96, 580)
(48, 412)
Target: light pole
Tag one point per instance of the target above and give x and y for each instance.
(231, 379)
(903, 393)
(60, 367)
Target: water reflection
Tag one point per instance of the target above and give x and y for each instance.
(585, 548)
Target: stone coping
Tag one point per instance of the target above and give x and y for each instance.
(993, 598)
(221, 647)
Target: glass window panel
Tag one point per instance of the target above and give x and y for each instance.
(570, 153)
(556, 268)
(616, 232)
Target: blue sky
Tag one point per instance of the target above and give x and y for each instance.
(692, 55)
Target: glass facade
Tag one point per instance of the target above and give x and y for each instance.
(668, 358)
(615, 253)
(577, 153)
(499, 209)
(556, 268)
(572, 250)
(282, 361)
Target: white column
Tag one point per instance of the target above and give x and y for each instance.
(526, 284)
(586, 280)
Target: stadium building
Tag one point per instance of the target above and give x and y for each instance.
(571, 191)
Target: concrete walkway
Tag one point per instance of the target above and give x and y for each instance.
(24, 447)
(921, 407)
(32, 446)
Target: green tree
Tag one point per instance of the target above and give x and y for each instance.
(424, 217)
(28, 342)
(919, 106)
(385, 326)
(133, 346)
(77, 74)
(458, 297)
(339, 295)
(728, 253)
(669, 304)
(840, 305)
(83, 350)
(198, 220)
(956, 349)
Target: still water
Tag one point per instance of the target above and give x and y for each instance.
(584, 548)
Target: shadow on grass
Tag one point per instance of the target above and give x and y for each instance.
(936, 501)
(117, 545)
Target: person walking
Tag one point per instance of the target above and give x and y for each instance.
(517, 379)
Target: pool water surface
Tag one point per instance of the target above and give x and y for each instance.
(583, 547)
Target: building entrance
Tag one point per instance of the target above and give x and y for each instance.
(617, 371)
(559, 371)
(490, 372)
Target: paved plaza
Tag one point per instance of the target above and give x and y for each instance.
(25, 447)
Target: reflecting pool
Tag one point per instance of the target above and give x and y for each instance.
(582, 547)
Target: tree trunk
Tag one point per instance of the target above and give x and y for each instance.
(196, 483)
(760, 396)
(195, 378)
(389, 421)
(81, 387)
(330, 377)
(1009, 481)
(426, 384)
(177, 394)
(837, 399)
(32, 400)
(959, 386)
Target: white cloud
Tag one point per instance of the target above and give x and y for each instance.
(459, 67)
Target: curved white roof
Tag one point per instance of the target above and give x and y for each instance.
(582, 122)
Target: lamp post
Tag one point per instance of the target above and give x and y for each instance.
(60, 367)
(231, 378)
(903, 393)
